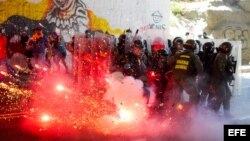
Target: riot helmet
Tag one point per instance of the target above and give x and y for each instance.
(225, 47)
(122, 41)
(157, 44)
(122, 38)
(177, 44)
(162, 52)
(137, 48)
(208, 47)
(190, 44)
(138, 44)
(178, 40)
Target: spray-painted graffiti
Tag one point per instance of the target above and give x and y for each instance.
(153, 26)
(157, 18)
(237, 34)
(99, 23)
(69, 16)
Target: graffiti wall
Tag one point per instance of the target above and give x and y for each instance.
(67, 16)
(236, 32)
(73, 16)
(146, 15)
(231, 22)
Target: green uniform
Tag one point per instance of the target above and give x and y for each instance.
(187, 66)
(220, 78)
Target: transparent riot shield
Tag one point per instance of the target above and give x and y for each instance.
(79, 42)
(92, 63)
(236, 54)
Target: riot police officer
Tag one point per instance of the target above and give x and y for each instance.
(157, 71)
(207, 56)
(118, 54)
(221, 76)
(187, 67)
(176, 49)
(135, 65)
(177, 45)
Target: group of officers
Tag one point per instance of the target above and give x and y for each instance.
(205, 76)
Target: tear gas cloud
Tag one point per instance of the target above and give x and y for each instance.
(126, 93)
(82, 117)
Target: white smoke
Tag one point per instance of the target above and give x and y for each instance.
(127, 93)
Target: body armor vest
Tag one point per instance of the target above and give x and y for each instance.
(184, 65)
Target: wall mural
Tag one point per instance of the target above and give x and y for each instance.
(99, 23)
(66, 16)
(24, 8)
(23, 15)
(69, 16)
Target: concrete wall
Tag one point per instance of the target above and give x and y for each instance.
(145, 15)
(113, 16)
(231, 22)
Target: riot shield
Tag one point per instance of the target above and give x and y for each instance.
(236, 56)
(92, 62)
